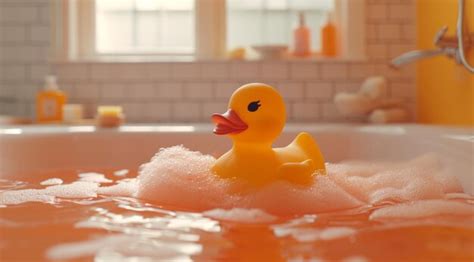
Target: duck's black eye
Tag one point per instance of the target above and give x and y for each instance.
(253, 106)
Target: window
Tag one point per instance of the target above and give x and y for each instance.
(195, 29)
(144, 26)
(263, 22)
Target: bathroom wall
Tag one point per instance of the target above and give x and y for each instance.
(445, 89)
(191, 91)
(24, 44)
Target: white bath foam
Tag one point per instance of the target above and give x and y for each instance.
(77, 189)
(121, 173)
(241, 215)
(16, 197)
(182, 178)
(285, 198)
(282, 230)
(88, 186)
(300, 228)
(94, 177)
(313, 234)
(178, 177)
(86, 201)
(336, 232)
(423, 208)
(121, 188)
(421, 178)
(52, 182)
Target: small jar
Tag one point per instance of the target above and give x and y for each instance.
(73, 113)
(109, 116)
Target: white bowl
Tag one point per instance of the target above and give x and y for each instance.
(271, 51)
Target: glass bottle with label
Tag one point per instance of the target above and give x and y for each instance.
(50, 102)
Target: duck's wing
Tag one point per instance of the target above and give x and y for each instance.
(310, 148)
(298, 173)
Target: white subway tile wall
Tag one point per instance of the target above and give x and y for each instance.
(192, 91)
(319, 91)
(306, 111)
(274, 70)
(24, 47)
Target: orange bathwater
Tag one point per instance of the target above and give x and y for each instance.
(114, 228)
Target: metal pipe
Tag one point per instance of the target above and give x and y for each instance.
(462, 56)
(451, 46)
(412, 56)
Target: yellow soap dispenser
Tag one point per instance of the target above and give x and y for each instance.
(50, 102)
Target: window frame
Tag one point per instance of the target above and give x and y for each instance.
(350, 18)
(74, 38)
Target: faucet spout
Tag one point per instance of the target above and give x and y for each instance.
(413, 56)
(451, 46)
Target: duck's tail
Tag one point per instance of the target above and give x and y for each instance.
(309, 146)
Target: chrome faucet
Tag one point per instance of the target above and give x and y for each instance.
(451, 46)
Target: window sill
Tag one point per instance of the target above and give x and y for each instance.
(190, 59)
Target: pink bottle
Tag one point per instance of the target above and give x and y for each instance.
(302, 38)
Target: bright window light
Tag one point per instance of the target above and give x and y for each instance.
(271, 22)
(145, 26)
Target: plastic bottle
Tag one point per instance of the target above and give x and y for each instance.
(302, 38)
(328, 38)
(50, 102)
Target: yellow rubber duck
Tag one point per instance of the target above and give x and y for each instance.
(255, 118)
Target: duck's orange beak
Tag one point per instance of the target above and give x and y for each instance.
(228, 123)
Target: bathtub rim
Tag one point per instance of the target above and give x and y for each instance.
(353, 141)
(462, 133)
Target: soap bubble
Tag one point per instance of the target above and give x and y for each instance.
(182, 179)
(178, 178)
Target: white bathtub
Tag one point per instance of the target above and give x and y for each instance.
(36, 149)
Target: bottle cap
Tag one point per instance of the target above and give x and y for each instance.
(50, 83)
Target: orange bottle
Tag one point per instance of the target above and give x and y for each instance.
(328, 38)
(302, 38)
(50, 102)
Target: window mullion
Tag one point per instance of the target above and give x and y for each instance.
(161, 20)
(135, 27)
(210, 21)
(85, 23)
